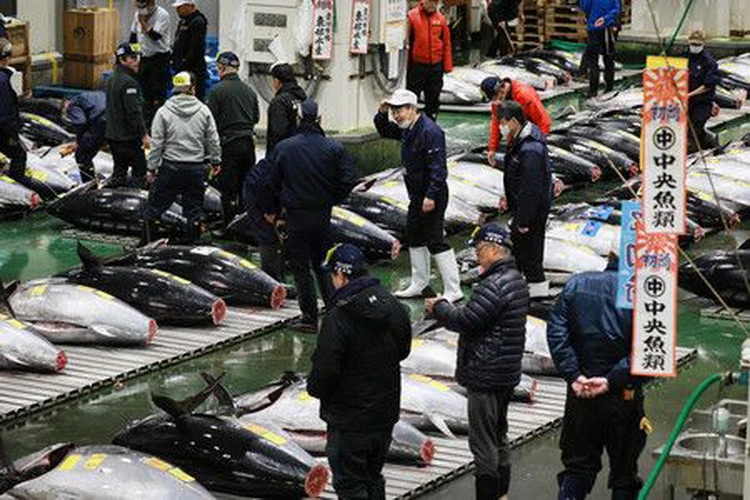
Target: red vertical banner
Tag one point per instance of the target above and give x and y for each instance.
(360, 30)
(323, 14)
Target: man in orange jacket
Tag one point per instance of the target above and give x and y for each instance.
(430, 54)
(497, 91)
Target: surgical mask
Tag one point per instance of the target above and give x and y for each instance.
(505, 131)
(696, 48)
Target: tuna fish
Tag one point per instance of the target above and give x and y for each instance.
(105, 472)
(16, 199)
(537, 66)
(504, 71)
(167, 298)
(487, 177)
(21, 348)
(470, 75)
(74, 314)
(47, 181)
(236, 280)
(572, 169)
(457, 91)
(726, 271)
(375, 243)
(618, 99)
(431, 405)
(605, 157)
(241, 458)
(729, 191)
(44, 131)
(596, 235)
(473, 193)
(386, 213)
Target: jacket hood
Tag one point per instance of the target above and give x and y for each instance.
(363, 299)
(294, 89)
(183, 105)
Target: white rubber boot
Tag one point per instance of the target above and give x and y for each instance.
(446, 262)
(540, 289)
(419, 258)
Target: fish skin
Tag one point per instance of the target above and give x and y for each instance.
(386, 213)
(44, 131)
(725, 270)
(16, 199)
(22, 348)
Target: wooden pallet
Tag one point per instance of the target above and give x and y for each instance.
(530, 34)
(719, 312)
(564, 22)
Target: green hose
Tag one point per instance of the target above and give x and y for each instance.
(679, 25)
(686, 409)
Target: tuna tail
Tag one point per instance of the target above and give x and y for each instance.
(745, 245)
(222, 395)
(440, 424)
(178, 409)
(270, 393)
(90, 261)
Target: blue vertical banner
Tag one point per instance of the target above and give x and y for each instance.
(631, 213)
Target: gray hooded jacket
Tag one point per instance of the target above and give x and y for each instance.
(184, 131)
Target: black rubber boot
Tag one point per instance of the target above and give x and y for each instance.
(486, 487)
(145, 233)
(503, 481)
(272, 262)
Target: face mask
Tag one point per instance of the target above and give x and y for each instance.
(696, 49)
(505, 131)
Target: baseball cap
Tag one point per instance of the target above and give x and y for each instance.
(697, 36)
(489, 87)
(182, 80)
(490, 233)
(128, 49)
(282, 71)
(228, 59)
(308, 110)
(346, 259)
(180, 3)
(402, 97)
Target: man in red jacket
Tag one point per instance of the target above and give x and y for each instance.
(497, 91)
(430, 54)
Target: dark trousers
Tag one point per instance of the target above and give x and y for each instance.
(127, 155)
(591, 426)
(237, 158)
(600, 43)
(89, 144)
(271, 254)
(356, 459)
(308, 240)
(502, 44)
(427, 78)
(528, 249)
(427, 230)
(699, 115)
(10, 146)
(178, 179)
(488, 441)
(154, 78)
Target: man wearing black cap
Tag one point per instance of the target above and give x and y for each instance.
(126, 129)
(309, 175)
(85, 112)
(10, 120)
(282, 110)
(189, 49)
(235, 109)
(356, 374)
(492, 334)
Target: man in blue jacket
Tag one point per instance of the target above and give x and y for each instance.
(602, 19)
(590, 342)
(423, 157)
(704, 76)
(10, 120)
(258, 200)
(528, 192)
(309, 175)
(85, 112)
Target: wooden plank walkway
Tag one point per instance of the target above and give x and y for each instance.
(719, 312)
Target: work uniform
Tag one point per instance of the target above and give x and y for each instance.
(125, 126)
(533, 110)
(154, 71)
(189, 50)
(310, 174)
(10, 125)
(588, 335)
(183, 136)
(85, 112)
(703, 70)
(601, 41)
(492, 334)
(356, 375)
(528, 191)
(235, 109)
(259, 200)
(282, 114)
(502, 12)
(430, 56)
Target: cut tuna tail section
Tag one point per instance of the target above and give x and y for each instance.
(222, 395)
(177, 409)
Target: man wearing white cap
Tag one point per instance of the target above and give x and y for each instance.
(423, 156)
(188, 52)
(183, 135)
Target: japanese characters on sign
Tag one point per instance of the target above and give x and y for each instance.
(663, 145)
(631, 213)
(360, 33)
(322, 44)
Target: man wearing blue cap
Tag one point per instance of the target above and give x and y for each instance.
(309, 174)
(235, 109)
(356, 373)
(492, 334)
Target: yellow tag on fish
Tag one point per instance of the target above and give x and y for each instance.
(7, 179)
(266, 434)
(427, 380)
(451, 163)
(390, 184)
(69, 463)
(349, 217)
(39, 175)
(38, 290)
(246, 263)
(227, 255)
(646, 426)
(170, 276)
(157, 464)
(735, 151)
(94, 461)
(15, 324)
(181, 475)
(417, 343)
(104, 295)
(571, 226)
(304, 396)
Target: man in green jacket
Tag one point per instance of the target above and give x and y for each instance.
(126, 129)
(234, 106)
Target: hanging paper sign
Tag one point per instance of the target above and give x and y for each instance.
(360, 34)
(631, 213)
(322, 46)
(394, 29)
(664, 144)
(655, 312)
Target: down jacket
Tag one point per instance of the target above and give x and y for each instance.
(492, 329)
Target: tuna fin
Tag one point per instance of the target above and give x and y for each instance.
(88, 259)
(422, 326)
(222, 395)
(177, 409)
(270, 394)
(745, 245)
(5, 293)
(440, 424)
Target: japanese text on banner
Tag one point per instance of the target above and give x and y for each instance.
(631, 213)
(663, 145)
(322, 46)
(655, 311)
(360, 34)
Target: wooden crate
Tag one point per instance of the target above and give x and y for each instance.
(531, 34)
(564, 22)
(23, 64)
(18, 35)
(91, 32)
(86, 72)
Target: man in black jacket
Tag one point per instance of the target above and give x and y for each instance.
(492, 334)
(258, 196)
(85, 112)
(235, 109)
(528, 191)
(309, 175)
(356, 374)
(704, 75)
(503, 14)
(282, 110)
(10, 120)
(126, 129)
(590, 342)
(189, 49)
